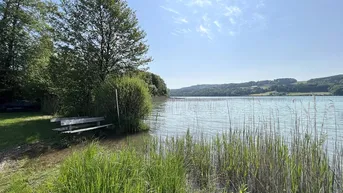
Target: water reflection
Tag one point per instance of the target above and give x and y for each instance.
(214, 115)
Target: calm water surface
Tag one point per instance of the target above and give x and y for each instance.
(322, 115)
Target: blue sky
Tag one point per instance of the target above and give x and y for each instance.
(223, 41)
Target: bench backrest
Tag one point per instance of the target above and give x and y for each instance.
(81, 121)
(58, 119)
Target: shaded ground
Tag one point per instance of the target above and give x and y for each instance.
(25, 128)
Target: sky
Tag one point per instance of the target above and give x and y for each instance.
(229, 41)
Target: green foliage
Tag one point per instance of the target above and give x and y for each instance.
(37, 78)
(98, 170)
(133, 98)
(116, 44)
(327, 80)
(285, 81)
(60, 54)
(22, 24)
(157, 86)
(337, 90)
(71, 84)
(18, 184)
(85, 58)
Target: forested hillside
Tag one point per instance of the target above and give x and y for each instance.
(283, 86)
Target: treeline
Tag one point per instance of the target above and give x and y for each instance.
(333, 84)
(67, 55)
(66, 50)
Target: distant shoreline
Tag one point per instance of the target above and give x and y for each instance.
(295, 94)
(267, 94)
(326, 86)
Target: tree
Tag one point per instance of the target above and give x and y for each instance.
(337, 90)
(37, 77)
(104, 35)
(94, 39)
(21, 24)
(157, 86)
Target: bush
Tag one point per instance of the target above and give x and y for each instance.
(134, 102)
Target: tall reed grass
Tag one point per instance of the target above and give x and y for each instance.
(231, 162)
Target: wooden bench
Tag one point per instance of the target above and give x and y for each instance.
(81, 124)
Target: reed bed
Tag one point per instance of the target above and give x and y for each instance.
(232, 162)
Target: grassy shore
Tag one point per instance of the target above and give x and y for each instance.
(309, 94)
(297, 94)
(231, 162)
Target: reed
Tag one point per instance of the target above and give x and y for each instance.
(231, 162)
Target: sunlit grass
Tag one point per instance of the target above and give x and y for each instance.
(231, 162)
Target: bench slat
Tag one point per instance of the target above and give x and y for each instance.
(58, 119)
(82, 120)
(87, 129)
(61, 129)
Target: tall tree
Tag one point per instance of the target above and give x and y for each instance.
(94, 38)
(105, 36)
(21, 24)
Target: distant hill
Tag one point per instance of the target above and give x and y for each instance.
(325, 86)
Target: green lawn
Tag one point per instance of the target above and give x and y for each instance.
(309, 94)
(262, 94)
(25, 128)
(297, 94)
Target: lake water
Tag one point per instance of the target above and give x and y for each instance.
(321, 115)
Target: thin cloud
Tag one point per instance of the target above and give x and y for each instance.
(170, 10)
(260, 4)
(174, 34)
(204, 31)
(180, 20)
(216, 17)
(217, 24)
(200, 3)
(183, 31)
(232, 11)
(205, 18)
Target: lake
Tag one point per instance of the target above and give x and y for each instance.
(284, 115)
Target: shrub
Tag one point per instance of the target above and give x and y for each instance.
(133, 98)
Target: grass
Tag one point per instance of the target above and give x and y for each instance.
(25, 128)
(297, 94)
(262, 94)
(309, 94)
(25, 176)
(231, 162)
